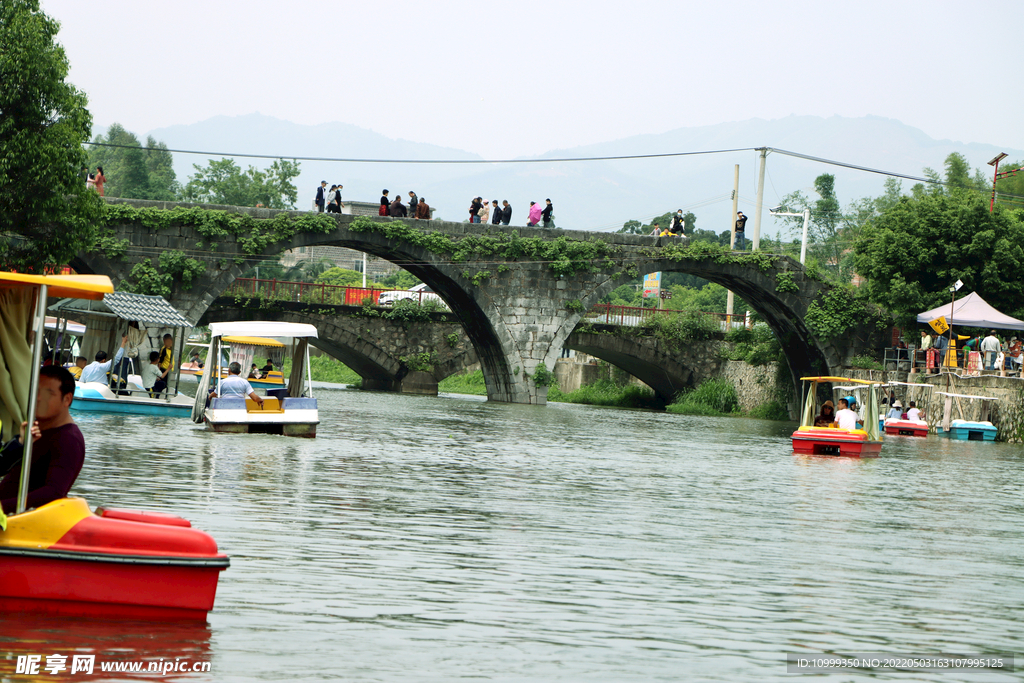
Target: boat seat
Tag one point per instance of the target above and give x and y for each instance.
(270, 405)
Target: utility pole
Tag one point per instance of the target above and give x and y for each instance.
(731, 298)
(755, 242)
(364, 270)
(807, 219)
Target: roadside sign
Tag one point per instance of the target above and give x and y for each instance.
(652, 285)
(939, 325)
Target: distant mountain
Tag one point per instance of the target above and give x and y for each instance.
(592, 195)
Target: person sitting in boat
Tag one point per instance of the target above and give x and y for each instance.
(76, 369)
(254, 373)
(827, 416)
(59, 447)
(98, 369)
(194, 361)
(151, 375)
(235, 385)
(895, 412)
(268, 368)
(913, 413)
(846, 418)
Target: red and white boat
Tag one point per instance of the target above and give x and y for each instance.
(62, 557)
(898, 426)
(811, 440)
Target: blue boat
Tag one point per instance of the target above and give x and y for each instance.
(965, 430)
(97, 397)
(126, 394)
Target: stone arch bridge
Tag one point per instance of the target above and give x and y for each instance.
(517, 292)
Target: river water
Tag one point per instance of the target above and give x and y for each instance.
(448, 538)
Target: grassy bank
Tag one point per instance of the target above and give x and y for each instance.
(717, 397)
(605, 392)
(470, 383)
(326, 369)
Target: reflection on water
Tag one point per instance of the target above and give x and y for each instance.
(432, 538)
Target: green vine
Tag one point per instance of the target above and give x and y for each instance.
(543, 377)
(575, 305)
(418, 362)
(834, 312)
(784, 283)
(452, 339)
(564, 256)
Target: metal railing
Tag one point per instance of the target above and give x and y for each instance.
(316, 293)
(635, 315)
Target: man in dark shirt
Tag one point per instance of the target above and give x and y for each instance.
(506, 212)
(546, 214)
(741, 224)
(269, 367)
(422, 210)
(58, 450)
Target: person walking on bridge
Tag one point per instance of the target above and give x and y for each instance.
(413, 202)
(319, 201)
(506, 213)
(385, 204)
(496, 217)
(548, 214)
(484, 212)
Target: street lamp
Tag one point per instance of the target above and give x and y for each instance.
(807, 219)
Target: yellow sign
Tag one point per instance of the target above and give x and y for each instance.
(939, 325)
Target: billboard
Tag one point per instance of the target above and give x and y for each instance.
(652, 285)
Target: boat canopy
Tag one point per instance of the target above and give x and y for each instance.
(253, 341)
(80, 286)
(143, 308)
(983, 398)
(262, 328)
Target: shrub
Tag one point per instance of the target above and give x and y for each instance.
(773, 410)
(712, 397)
(605, 392)
(865, 363)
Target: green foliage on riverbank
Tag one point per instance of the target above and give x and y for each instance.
(325, 369)
(712, 397)
(606, 392)
(468, 383)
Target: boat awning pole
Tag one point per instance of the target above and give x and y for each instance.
(33, 392)
(181, 359)
(309, 373)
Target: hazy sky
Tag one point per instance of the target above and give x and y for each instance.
(517, 78)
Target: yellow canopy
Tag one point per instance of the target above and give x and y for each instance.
(837, 379)
(254, 341)
(62, 286)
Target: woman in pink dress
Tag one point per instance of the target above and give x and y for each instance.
(99, 180)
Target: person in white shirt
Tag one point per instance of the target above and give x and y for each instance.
(846, 418)
(97, 370)
(990, 347)
(235, 385)
(151, 373)
(913, 413)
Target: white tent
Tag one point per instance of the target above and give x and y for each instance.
(972, 311)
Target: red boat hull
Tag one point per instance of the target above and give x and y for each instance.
(840, 444)
(901, 428)
(62, 559)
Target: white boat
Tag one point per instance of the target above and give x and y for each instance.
(290, 411)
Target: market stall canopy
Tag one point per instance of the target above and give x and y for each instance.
(150, 310)
(972, 311)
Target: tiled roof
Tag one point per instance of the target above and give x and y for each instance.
(153, 310)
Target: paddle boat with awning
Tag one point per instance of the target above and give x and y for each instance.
(900, 426)
(61, 557)
(811, 440)
(242, 349)
(126, 394)
(962, 429)
(290, 411)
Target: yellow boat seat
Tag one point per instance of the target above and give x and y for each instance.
(270, 405)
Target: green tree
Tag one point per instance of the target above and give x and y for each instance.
(46, 216)
(223, 182)
(400, 279)
(912, 252)
(133, 171)
(343, 277)
(1010, 190)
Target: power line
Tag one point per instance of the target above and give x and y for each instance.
(423, 161)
